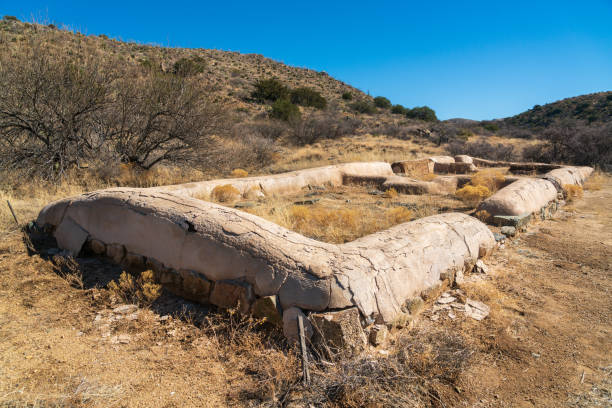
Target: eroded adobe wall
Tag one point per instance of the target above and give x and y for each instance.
(234, 256)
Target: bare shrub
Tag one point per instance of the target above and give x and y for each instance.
(48, 110)
(327, 125)
(483, 149)
(142, 290)
(572, 192)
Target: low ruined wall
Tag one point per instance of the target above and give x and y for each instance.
(286, 183)
(528, 195)
(224, 256)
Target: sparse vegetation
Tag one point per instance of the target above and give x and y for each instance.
(187, 67)
(142, 290)
(363, 107)
(239, 173)
(472, 195)
(283, 109)
(347, 96)
(572, 192)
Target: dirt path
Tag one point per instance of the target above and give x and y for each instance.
(546, 342)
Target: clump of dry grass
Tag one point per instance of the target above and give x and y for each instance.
(472, 195)
(143, 290)
(390, 193)
(483, 215)
(225, 193)
(572, 192)
(492, 179)
(239, 173)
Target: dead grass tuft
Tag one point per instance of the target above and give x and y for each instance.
(572, 192)
(492, 179)
(472, 195)
(225, 193)
(143, 290)
(239, 173)
(390, 193)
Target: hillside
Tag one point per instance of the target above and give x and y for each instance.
(592, 109)
(229, 75)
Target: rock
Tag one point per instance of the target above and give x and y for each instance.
(195, 286)
(339, 332)
(246, 204)
(415, 305)
(480, 267)
(134, 261)
(508, 231)
(229, 293)
(445, 300)
(476, 310)
(121, 339)
(512, 220)
(378, 334)
(499, 237)
(290, 324)
(70, 236)
(307, 202)
(97, 247)
(116, 252)
(125, 309)
(268, 308)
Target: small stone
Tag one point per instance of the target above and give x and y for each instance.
(268, 308)
(452, 315)
(125, 309)
(121, 339)
(499, 237)
(508, 231)
(97, 247)
(340, 331)
(446, 299)
(116, 252)
(290, 324)
(378, 334)
(476, 310)
(480, 266)
(434, 317)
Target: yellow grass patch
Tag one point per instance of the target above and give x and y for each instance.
(225, 193)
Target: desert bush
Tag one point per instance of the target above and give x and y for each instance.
(248, 151)
(363, 107)
(398, 110)
(163, 118)
(10, 18)
(423, 113)
(482, 215)
(490, 126)
(572, 192)
(239, 173)
(308, 97)
(382, 102)
(347, 96)
(472, 195)
(48, 111)
(325, 125)
(283, 109)
(143, 290)
(187, 67)
(268, 129)
(269, 90)
(483, 149)
(225, 193)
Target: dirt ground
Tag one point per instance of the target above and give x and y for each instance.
(546, 342)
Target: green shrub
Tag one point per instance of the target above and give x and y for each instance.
(423, 113)
(490, 126)
(283, 109)
(398, 109)
(363, 107)
(186, 67)
(347, 96)
(382, 102)
(308, 97)
(11, 18)
(464, 134)
(269, 90)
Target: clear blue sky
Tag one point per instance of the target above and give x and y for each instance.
(472, 59)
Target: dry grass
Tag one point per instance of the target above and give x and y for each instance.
(572, 192)
(239, 173)
(142, 290)
(472, 195)
(596, 181)
(492, 178)
(225, 193)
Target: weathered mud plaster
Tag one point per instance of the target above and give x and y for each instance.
(376, 273)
